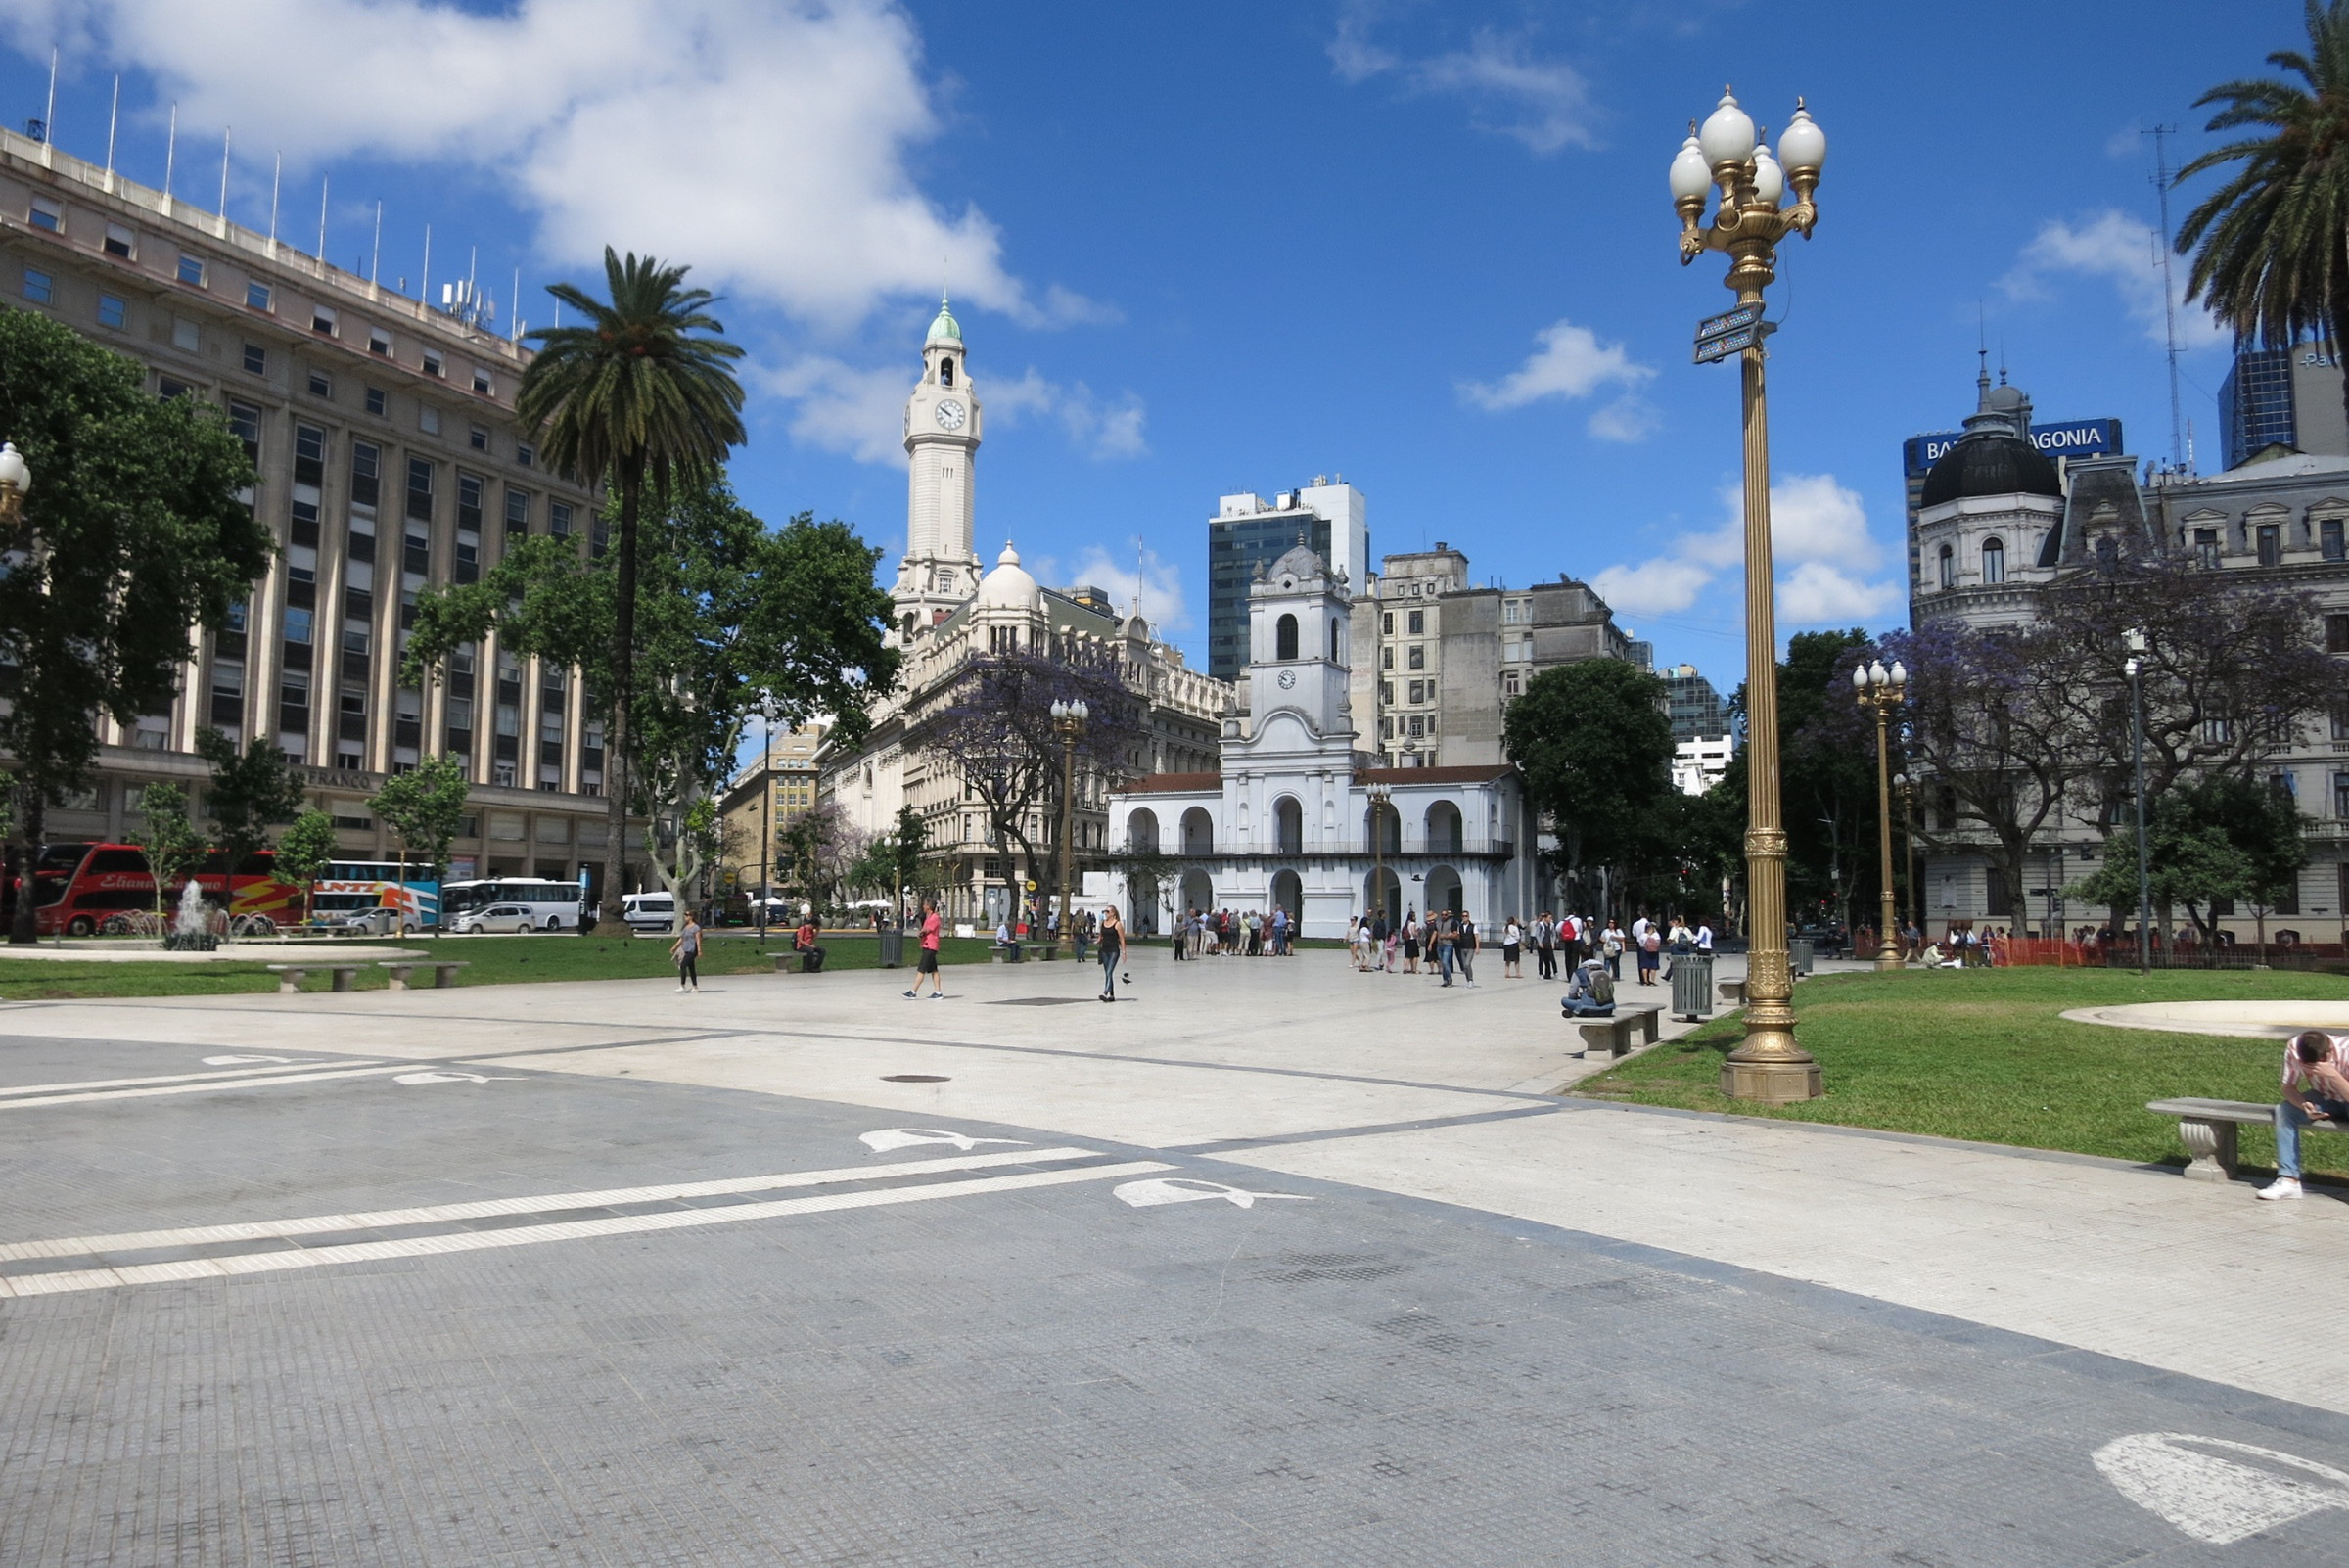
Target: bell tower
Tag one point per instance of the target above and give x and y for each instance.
(939, 570)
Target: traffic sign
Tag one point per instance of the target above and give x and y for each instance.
(1730, 332)
(1744, 316)
(1712, 350)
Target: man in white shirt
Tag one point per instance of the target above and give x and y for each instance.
(2313, 1087)
(1704, 936)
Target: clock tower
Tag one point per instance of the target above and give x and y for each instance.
(939, 570)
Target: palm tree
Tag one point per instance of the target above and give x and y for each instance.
(641, 395)
(2274, 263)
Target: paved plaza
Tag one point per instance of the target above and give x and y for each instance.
(1271, 1263)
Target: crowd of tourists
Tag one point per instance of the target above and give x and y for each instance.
(1235, 933)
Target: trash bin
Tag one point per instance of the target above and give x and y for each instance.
(1800, 953)
(893, 947)
(1692, 985)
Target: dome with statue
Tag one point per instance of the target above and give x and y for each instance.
(1008, 586)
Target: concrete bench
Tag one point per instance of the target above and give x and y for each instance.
(291, 976)
(444, 971)
(788, 961)
(1005, 954)
(1612, 1037)
(2207, 1130)
(1733, 992)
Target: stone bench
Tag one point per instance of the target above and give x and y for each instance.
(2207, 1130)
(1612, 1037)
(291, 976)
(1005, 954)
(1733, 992)
(444, 971)
(787, 962)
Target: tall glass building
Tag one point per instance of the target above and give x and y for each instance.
(2256, 404)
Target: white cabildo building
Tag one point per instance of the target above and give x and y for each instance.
(1288, 820)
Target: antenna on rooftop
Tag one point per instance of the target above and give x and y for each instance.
(224, 208)
(48, 115)
(322, 184)
(375, 259)
(277, 180)
(112, 114)
(2169, 294)
(171, 153)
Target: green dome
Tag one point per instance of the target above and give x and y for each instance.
(946, 329)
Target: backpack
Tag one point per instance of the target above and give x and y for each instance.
(1602, 986)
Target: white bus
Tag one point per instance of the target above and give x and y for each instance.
(553, 905)
(352, 886)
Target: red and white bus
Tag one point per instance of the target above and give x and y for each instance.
(79, 887)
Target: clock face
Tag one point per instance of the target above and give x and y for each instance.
(1288, 679)
(949, 414)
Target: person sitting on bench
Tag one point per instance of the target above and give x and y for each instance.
(2313, 1087)
(1590, 994)
(802, 943)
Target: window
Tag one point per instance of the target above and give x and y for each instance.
(297, 625)
(366, 463)
(191, 270)
(322, 320)
(2270, 544)
(376, 403)
(110, 311)
(2340, 796)
(518, 513)
(38, 286)
(525, 455)
(477, 437)
(1418, 656)
(1418, 623)
(47, 214)
(1386, 691)
(120, 241)
(1385, 659)
(428, 419)
(2206, 546)
(1386, 624)
(256, 359)
(228, 693)
(258, 297)
(2337, 634)
(2330, 533)
(321, 384)
(1284, 637)
(483, 384)
(558, 519)
(168, 387)
(1418, 727)
(1418, 692)
(1994, 561)
(186, 335)
(246, 421)
(433, 365)
(1508, 684)
(309, 455)
(1948, 567)
(420, 489)
(2109, 555)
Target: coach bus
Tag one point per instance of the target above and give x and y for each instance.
(553, 905)
(78, 888)
(350, 886)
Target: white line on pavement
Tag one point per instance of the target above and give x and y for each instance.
(200, 1088)
(21, 1091)
(254, 1262)
(543, 1203)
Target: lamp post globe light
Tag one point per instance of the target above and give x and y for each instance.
(1726, 155)
(1068, 722)
(1882, 690)
(15, 477)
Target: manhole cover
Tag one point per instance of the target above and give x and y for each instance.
(915, 1077)
(1040, 1001)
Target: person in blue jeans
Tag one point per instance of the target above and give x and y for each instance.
(1112, 948)
(2313, 1088)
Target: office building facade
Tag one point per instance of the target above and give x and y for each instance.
(2283, 397)
(1248, 533)
(390, 461)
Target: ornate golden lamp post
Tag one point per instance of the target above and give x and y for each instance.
(1068, 722)
(1727, 156)
(1882, 690)
(1907, 789)
(1380, 795)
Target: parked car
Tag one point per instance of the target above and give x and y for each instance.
(507, 917)
(376, 922)
(648, 912)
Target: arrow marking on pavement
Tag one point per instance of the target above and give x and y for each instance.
(2217, 1500)
(906, 1137)
(1189, 1189)
(437, 1077)
(242, 1061)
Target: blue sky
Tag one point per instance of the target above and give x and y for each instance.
(1209, 248)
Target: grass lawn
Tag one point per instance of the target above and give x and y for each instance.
(495, 961)
(1983, 1055)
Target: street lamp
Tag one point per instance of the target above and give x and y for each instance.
(1882, 690)
(2135, 668)
(15, 477)
(1727, 156)
(766, 796)
(1068, 722)
(1908, 790)
(1380, 795)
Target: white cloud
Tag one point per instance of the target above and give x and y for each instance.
(1818, 527)
(1628, 418)
(1103, 428)
(1511, 91)
(1571, 362)
(837, 407)
(1159, 581)
(2122, 252)
(766, 144)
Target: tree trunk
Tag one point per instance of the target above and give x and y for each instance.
(624, 685)
(30, 814)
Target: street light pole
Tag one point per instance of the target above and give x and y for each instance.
(1379, 794)
(2136, 669)
(1068, 722)
(766, 816)
(1726, 157)
(1882, 690)
(1917, 894)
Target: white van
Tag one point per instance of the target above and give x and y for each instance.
(649, 913)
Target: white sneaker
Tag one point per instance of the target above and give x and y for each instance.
(2281, 1187)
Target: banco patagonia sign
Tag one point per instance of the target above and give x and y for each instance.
(2077, 438)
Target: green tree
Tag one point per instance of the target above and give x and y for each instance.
(2271, 246)
(252, 787)
(424, 808)
(304, 851)
(1596, 748)
(169, 839)
(134, 537)
(2227, 838)
(639, 393)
